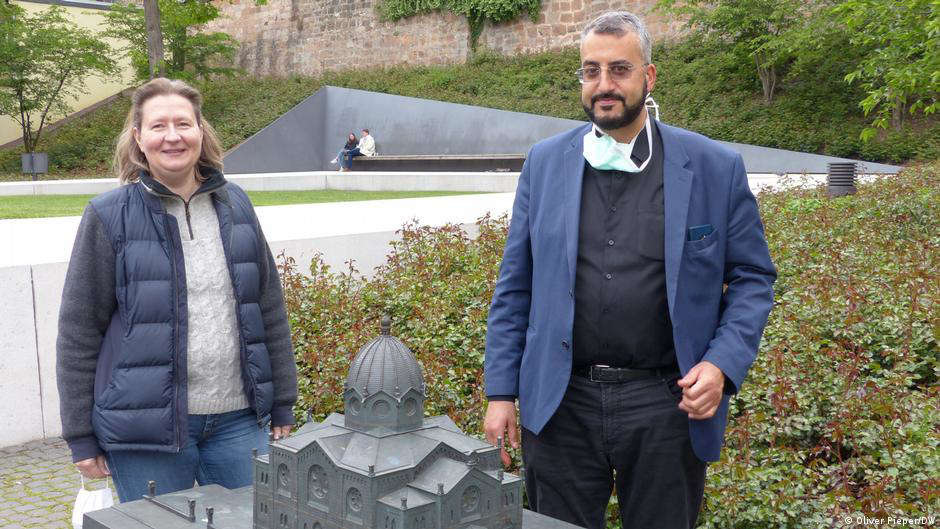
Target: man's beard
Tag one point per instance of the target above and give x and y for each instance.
(628, 116)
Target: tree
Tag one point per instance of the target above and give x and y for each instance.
(189, 54)
(761, 30)
(154, 38)
(44, 61)
(901, 71)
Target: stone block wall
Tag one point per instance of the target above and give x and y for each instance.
(561, 21)
(308, 37)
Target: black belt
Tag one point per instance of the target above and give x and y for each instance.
(602, 373)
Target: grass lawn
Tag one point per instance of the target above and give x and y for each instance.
(34, 206)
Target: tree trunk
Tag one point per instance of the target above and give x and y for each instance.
(768, 79)
(154, 38)
(897, 114)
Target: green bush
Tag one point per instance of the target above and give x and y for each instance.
(436, 287)
(839, 414)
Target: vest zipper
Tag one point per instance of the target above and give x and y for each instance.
(189, 223)
(176, 333)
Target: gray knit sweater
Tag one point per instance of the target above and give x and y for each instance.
(212, 355)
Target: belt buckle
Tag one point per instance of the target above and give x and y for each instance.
(591, 373)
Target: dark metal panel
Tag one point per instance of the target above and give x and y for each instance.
(292, 142)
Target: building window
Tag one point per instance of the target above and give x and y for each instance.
(381, 408)
(471, 499)
(317, 484)
(354, 500)
(283, 480)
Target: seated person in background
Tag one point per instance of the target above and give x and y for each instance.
(351, 143)
(366, 147)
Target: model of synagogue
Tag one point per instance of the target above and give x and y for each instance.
(382, 464)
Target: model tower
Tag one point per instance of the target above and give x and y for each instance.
(382, 464)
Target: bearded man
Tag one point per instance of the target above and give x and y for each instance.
(634, 288)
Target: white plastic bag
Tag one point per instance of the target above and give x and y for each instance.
(88, 501)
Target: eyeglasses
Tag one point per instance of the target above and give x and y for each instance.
(616, 71)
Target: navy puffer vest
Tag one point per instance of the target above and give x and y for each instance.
(140, 383)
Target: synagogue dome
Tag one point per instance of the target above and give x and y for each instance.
(385, 364)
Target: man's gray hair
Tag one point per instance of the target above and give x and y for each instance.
(620, 23)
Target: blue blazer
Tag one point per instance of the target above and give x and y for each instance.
(531, 319)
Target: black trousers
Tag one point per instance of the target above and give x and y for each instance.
(630, 433)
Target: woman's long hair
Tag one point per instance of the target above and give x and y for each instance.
(129, 159)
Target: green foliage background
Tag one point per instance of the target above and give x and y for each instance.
(839, 415)
(45, 59)
(190, 54)
(701, 86)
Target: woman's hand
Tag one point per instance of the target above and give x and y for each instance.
(280, 432)
(94, 467)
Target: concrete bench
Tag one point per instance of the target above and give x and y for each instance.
(439, 162)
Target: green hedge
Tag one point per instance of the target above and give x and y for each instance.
(839, 414)
(699, 87)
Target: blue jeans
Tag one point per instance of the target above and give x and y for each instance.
(346, 159)
(216, 451)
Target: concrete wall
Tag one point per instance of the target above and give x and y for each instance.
(21, 408)
(315, 130)
(308, 37)
(95, 89)
(350, 181)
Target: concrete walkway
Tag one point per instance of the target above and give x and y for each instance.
(38, 485)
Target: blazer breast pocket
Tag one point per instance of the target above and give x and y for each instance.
(700, 245)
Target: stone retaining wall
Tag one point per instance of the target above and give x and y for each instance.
(307, 37)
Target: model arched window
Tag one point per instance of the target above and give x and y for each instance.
(283, 480)
(318, 487)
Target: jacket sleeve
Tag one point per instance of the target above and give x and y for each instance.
(750, 275)
(509, 312)
(88, 303)
(278, 340)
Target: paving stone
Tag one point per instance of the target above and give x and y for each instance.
(38, 484)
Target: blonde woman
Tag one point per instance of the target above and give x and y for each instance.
(174, 351)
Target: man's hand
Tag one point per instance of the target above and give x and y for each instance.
(280, 432)
(702, 388)
(500, 420)
(94, 467)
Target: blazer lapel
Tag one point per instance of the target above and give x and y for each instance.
(677, 186)
(573, 175)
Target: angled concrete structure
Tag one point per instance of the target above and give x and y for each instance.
(309, 135)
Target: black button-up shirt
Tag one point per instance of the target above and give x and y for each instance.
(621, 314)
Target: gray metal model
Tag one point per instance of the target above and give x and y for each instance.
(383, 465)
